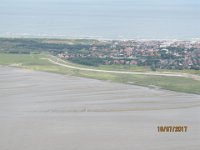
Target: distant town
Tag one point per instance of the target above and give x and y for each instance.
(156, 54)
(168, 54)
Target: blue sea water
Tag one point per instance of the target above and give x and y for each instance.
(111, 19)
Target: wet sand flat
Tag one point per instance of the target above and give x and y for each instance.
(44, 111)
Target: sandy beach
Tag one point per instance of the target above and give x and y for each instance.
(46, 111)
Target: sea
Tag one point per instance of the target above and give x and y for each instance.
(104, 19)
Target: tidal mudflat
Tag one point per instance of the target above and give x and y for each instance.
(44, 111)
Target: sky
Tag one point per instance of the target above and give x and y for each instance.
(111, 19)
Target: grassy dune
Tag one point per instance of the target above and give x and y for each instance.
(34, 62)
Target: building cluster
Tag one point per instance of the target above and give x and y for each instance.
(167, 54)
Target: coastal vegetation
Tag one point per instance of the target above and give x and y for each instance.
(83, 53)
(37, 62)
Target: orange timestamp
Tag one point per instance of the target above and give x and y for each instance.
(172, 128)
